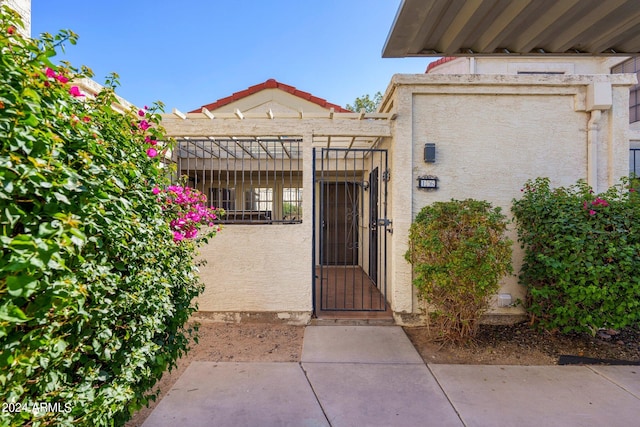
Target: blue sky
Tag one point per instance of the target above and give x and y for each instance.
(188, 53)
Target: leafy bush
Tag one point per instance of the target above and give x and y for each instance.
(459, 253)
(582, 255)
(94, 292)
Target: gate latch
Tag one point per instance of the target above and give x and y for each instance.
(385, 222)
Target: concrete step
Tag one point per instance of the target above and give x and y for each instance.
(352, 322)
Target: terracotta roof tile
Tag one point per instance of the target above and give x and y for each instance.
(271, 84)
(440, 61)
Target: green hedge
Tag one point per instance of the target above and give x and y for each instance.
(94, 292)
(582, 255)
(459, 253)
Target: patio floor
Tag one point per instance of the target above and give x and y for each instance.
(347, 292)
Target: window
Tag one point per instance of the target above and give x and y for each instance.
(542, 72)
(224, 198)
(292, 203)
(631, 66)
(634, 162)
(255, 180)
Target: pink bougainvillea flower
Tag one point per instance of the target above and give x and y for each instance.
(148, 140)
(189, 211)
(75, 91)
(144, 125)
(141, 113)
(50, 73)
(155, 190)
(592, 212)
(152, 152)
(11, 29)
(86, 119)
(62, 79)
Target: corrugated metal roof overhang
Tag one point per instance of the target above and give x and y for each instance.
(523, 27)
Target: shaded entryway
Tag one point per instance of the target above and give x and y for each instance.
(348, 288)
(350, 228)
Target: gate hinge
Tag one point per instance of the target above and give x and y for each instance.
(386, 175)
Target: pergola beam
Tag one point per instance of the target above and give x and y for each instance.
(353, 139)
(207, 113)
(197, 125)
(223, 148)
(266, 150)
(179, 114)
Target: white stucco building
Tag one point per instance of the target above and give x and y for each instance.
(322, 199)
(355, 177)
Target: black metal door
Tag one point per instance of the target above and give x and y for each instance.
(373, 225)
(340, 223)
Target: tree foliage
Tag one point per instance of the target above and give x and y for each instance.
(459, 253)
(366, 103)
(94, 292)
(582, 255)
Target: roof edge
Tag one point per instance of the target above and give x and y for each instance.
(271, 84)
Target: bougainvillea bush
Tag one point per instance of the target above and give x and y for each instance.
(95, 288)
(582, 255)
(459, 253)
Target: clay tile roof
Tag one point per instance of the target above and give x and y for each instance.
(272, 84)
(440, 61)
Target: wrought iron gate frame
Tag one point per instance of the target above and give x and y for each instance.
(382, 224)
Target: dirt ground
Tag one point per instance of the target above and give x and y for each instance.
(494, 345)
(521, 344)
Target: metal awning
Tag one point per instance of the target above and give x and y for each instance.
(522, 27)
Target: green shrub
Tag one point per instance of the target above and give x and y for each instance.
(94, 292)
(582, 255)
(459, 253)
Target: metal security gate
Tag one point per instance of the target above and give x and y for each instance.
(350, 229)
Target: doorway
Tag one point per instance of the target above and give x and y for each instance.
(350, 230)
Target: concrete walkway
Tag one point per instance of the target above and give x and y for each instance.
(372, 376)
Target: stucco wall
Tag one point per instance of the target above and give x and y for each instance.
(492, 133)
(257, 268)
(578, 65)
(274, 99)
(23, 7)
(524, 64)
